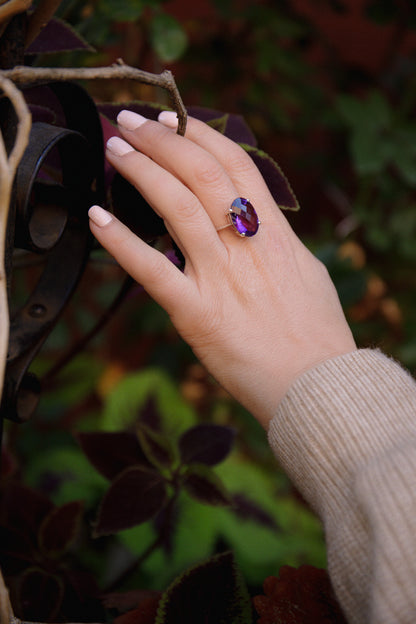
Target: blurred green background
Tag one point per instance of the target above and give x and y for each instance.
(329, 89)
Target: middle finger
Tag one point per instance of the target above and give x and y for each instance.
(196, 168)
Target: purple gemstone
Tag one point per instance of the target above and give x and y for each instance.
(243, 217)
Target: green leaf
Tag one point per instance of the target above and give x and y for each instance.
(168, 38)
(122, 10)
(212, 592)
(132, 392)
(201, 482)
(71, 472)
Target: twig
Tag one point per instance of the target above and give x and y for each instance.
(8, 166)
(35, 75)
(6, 612)
(39, 18)
(13, 7)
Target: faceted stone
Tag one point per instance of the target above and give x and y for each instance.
(243, 217)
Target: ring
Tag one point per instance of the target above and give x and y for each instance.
(242, 218)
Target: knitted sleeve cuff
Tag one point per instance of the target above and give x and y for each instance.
(336, 418)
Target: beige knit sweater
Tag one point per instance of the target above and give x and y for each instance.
(345, 434)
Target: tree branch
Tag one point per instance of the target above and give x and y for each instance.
(13, 7)
(8, 166)
(36, 75)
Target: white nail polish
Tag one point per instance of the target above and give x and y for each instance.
(119, 147)
(99, 216)
(168, 118)
(130, 120)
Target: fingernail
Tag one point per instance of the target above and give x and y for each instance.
(130, 120)
(168, 118)
(119, 147)
(99, 216)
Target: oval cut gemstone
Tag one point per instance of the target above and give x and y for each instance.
(243, 217)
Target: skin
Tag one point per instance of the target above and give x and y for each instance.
(257, 312)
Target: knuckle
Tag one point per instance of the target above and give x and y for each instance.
(208, 172)
(238, 161)
(186, 209)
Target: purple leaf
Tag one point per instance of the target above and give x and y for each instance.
(23, 509)
(274, 178)
(249, 510)
(157, 447)
(206, 444)
(40, 595)
(58, 36)
(60, 528)
(211, 592)
(135, 496)
(16, 550)
(149, 414)
(236, 128)
(147, 109)
(110, 453)
(205, 486)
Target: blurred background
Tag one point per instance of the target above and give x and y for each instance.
(329, 89)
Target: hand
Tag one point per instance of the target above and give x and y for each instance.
(256, 311)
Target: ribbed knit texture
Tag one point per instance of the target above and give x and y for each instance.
(345, 434)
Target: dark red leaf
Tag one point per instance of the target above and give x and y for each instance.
(274, 178)
(58, 36)
(205, 486)
(299, 596)
(135, 496)
(23, 509)
(145, 613)
(206, 444)
(212, 592)
(16, 550)
(249, 510)
(110, 453)
(40, 596)
(60, 528)
(129, 600)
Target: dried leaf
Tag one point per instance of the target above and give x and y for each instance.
(298, 596)
(135, 496)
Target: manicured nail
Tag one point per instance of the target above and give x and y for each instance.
(130, 120)
(99, 216)
(168, 118)
(119, 147)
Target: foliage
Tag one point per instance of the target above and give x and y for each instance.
(138, 478)
(298, 596)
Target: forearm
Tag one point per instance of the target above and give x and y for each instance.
(346, 435)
